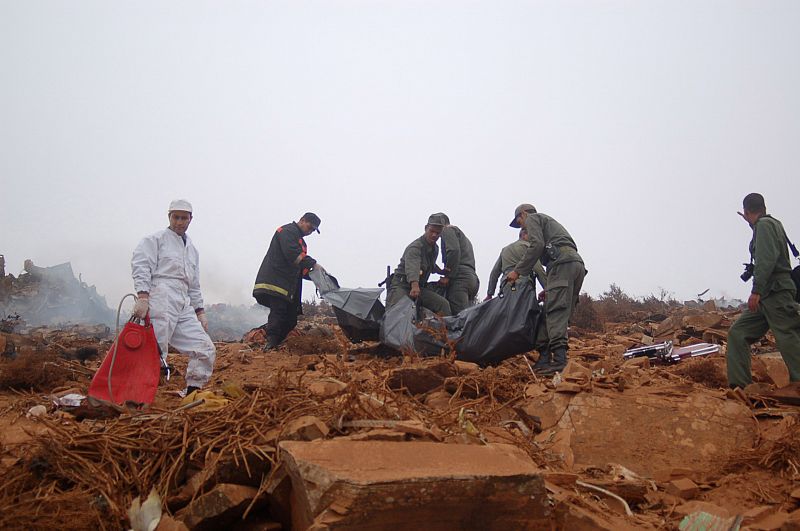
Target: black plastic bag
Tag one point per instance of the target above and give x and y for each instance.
(485, 334)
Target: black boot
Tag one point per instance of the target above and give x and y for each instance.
(559, 361)
(271, 344)
(543, 363)
(191, 389)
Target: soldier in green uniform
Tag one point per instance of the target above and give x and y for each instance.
(410, 278)
(509, 257)
(771, 305)
(460, 279)
(550, 242)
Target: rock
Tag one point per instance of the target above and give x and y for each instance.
(562, 447)
(576, 372)
(616, 350)
(550, 408)
(168, 523)
(327, 388)
(440, 400)
(684, 488)
(773, 368)
(702, 321)
(305, 428)
(771, 522)
(36, 411)
(572, 517)
(384, 485)
(695, 428)
(642, 362)
(715, 336)
(568, 387)
(379, 434)
(418, 380)
(792, 522)
(665, 327)
(757, 514)
(219, 508)
(466, 367)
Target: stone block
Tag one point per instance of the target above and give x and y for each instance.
(684, 488)
(217, 509)
(305, 428)
(695, 430)
(338, 484)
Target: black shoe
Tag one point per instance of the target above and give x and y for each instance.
(543, 363)
(191, 389)
(558, 363)
(271, 344)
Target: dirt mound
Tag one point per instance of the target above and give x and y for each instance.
(36, 371)
(709, 372)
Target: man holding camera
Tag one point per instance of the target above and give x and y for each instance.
(771, 305)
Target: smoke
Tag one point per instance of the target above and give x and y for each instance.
(52, 296)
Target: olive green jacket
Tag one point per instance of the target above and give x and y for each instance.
(770, 255)
(456, 251)
(544, 230)
(509, 257)
(417, 262)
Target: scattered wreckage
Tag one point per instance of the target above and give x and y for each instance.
(51, 296)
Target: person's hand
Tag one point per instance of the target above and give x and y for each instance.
(414, 293)
(753, 301)
(542, 296)
(512, 277)
(444, 281)
(201, 316)
(141, 306)
(488, 297)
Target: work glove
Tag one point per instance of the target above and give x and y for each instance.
(201, 316)
(141, 306)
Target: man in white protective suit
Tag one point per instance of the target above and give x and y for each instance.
(166, 277)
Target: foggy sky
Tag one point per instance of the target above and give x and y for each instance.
(639, 125)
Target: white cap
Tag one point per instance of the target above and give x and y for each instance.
(180, 204)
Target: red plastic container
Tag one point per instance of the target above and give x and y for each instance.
(135, 369)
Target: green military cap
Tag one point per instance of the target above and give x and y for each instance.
(524, 207)
(437, 219)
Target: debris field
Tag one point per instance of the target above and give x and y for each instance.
(326, 434)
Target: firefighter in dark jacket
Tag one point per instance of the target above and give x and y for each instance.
(279, 282)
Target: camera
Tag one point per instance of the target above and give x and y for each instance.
(748, 272)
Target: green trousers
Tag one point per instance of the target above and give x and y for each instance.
(429, 298)
(462, 289)
(564, 282)
(777, 312)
